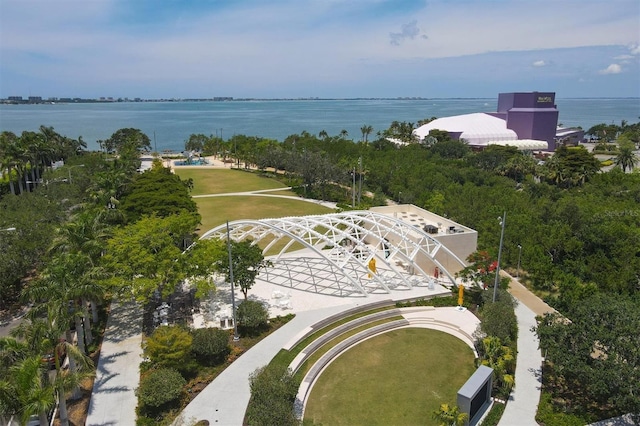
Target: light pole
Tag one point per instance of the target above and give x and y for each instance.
(519, 256)
(233, 293)
(495, 286)
(72, 167)
(353, 189)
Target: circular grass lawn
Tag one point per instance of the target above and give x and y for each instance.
(397, 378)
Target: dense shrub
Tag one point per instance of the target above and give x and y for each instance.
(169, 347)
(546, 414)
(273, 392)
(251, 315)
(499, 318)
(210, 345)
(159, 388)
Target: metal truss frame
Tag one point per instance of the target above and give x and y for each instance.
(336, 251)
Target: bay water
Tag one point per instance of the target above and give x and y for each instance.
(169, 124)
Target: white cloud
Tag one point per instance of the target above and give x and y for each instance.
(623, 57)
(282, 43)
(409, 31)
(611, 69)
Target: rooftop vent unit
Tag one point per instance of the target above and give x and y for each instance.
(430, 229)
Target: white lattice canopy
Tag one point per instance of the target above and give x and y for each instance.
(344, 254)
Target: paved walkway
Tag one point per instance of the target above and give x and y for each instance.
(523, 403)
(113, 399)
(224, 401)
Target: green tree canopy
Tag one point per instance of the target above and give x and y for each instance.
(160, 192)
(596, 355)
(127, 139)
(146, 255)
(247, 260)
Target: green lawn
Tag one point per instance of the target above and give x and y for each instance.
(397, 378)
(218, 181)
(217, 210)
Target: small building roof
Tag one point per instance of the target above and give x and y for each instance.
(476, 129)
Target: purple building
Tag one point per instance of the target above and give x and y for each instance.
(532, 115)
(527, 120)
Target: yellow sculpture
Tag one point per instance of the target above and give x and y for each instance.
(372, 267)
(460, 295)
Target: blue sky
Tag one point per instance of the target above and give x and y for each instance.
(318, 48)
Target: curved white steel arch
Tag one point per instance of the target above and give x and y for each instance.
(337, 249)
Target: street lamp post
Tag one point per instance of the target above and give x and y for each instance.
(353, 189)
(495, 286)
(71, 167)
(519, 256)
(233, 293)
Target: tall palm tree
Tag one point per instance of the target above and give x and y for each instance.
(344, 133)
(323, 135)
(86, 233)
(68, 279)
(8, 159)
(366, 131)
(626, 158)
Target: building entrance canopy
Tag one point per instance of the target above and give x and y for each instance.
(352, 253)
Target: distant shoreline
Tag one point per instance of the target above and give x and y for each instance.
(66, 101)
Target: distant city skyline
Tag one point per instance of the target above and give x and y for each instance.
(318, 48)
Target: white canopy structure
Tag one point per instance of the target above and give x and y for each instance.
(476, 129)
(524, 144)
(352, 253)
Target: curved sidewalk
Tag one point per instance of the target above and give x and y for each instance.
(523, 402)
(224, 401)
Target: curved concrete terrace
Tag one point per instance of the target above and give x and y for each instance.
(458, 323)
(224, 401)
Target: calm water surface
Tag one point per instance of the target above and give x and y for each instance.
(169, 124)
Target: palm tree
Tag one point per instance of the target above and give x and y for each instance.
(323, 135)
(43, 336)
(85, 235)
(7, 156)
(626, 158)
(344, 133)
(450, 415)
(67, 281)
(366, 131)
(26, 390)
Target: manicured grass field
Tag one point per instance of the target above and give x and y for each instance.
(218, 181)
(397, 378)
(217, 210)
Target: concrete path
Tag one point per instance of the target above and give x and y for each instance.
(224, 401)
(113, 399)
(523, 403)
